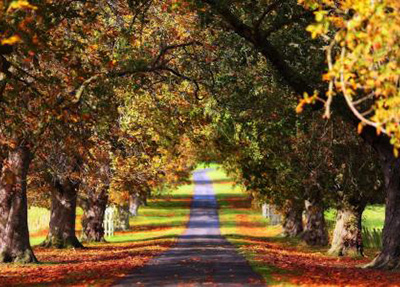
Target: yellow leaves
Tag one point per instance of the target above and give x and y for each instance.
(365, 68)
(20, 4)
(11, 40)
(320, 15)
(316, 30)
(306, 101)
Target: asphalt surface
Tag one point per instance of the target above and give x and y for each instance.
(201, 257)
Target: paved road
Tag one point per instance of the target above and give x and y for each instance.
(201, 257)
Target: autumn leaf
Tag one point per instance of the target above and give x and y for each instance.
(20, 4)
(15, 39)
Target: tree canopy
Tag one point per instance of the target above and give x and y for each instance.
(104, 101)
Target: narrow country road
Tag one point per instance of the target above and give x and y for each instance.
(201, 257)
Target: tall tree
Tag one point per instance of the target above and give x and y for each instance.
(261, 26)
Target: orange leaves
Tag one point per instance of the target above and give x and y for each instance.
(306, 101)
(360, 127)
(20, 4)
(98, 265)
(11, 40)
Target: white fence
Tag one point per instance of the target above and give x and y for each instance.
(109, 221)
(269, 211)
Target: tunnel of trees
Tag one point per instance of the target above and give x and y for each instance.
(104, 101)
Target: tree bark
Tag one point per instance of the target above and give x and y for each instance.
(122, 220)
(93, 216)
(14, 232)
(347, 236)
(292, 220)
(134, 204)
(315, 233)
(63, 216)
(389, 257)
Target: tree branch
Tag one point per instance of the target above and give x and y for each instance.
(265, 47)
(268, 10)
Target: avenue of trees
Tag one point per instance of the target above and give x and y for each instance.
(108, 101)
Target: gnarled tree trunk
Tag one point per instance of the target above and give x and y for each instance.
(14, 233)
(292, 219)
(93, 216)
(389, 258)
(315, 233)
(63, 215)
(347, 236)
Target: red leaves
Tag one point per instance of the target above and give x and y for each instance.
(306, 267)
(95, 266)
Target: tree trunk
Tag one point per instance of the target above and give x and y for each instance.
(122, 218)
(389, 258)
(63, 215)
(347, 236)
(14, 233)
(134, 204)
(315, 233)
(292, 220)
(93, 216)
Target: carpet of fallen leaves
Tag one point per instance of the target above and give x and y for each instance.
(96, 265)
(300, 265)
(99, 264)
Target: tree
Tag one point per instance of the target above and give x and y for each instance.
(260, 29)
(51, 77)
(365, 73)
(94, 192)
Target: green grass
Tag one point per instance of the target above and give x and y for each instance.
(170, 210)
(373, 216)
(38, 219)
(38, 222)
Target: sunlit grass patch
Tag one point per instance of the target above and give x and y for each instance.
(164, 217)
(373, 216)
